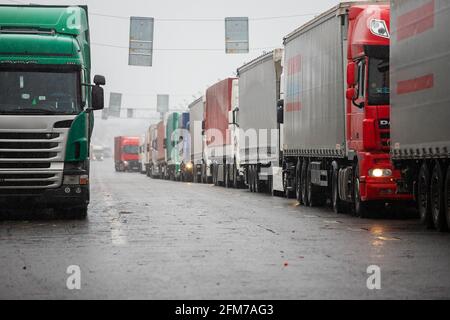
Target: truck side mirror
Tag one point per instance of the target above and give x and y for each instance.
(98, 98)
(280, 111)
(99, 80)
(165, 143)
(351, 94)
(351, 74)
(234, 115)
(203, 125)
(97, 93)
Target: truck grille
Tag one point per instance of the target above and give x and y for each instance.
(27, 136)
(27, 155)
(26, 160)
(24, 165)
(385, 140)
(28, 145)
(31, 179)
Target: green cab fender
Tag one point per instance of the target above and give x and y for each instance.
(78, 139)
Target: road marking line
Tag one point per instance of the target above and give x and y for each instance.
(119, 236)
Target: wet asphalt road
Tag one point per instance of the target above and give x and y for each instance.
(151, 239)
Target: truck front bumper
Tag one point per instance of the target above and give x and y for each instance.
(383, 188)
(64, 196)
(382, 191)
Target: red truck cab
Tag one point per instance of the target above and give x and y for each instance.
(368, 102)
(126, 154)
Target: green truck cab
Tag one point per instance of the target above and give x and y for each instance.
(46, 106)
(172, 139)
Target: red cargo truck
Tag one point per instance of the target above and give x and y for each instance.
(221, 132)
(126, 154)
(337, 110)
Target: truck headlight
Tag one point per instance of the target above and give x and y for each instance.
(71, 180)
(379, 28)
(76, 180)
(380, 173)
(189, 166)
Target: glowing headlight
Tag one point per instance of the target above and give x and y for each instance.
(125, 163)
(380, 173)
(379, 28)
(189, 165)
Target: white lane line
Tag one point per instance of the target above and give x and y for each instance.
(119, 235)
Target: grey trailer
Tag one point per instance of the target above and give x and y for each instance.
(259, 93)
(196, 113)
(420, 99)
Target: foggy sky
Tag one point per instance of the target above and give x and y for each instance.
(181, 73)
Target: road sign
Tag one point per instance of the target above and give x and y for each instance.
(105, 114)
(115, 104)
(236, 35)
(130, 113)
(141, 41)
(162, 105)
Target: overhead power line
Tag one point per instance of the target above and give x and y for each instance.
(207, 19)
(193, 19)
(179, 49)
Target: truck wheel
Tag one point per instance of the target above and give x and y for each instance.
(257, 181)
(303, 181)
(214, 175)
(361, 208)
(250, 179)
(287, 193)
(437, 199)
(339, 206)
(298, 184)
(314, 195)
(423, 197)
(226, 175)
(447, 197)
(235, 177)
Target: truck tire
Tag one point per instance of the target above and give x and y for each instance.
(235, 177)
(304, 184)
(226, 175)
(215, 170)
(361, 208)
(314, 195)
(423, 197)
(258, 187)
(298, 184)
(250, 179)
(447, 197)
(339, 206)
(287, 193)
(437, 199)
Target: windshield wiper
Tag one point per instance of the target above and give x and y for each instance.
(42, 111)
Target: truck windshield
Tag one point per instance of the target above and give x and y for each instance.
(39, 92)
(379, 93)
(131, 149)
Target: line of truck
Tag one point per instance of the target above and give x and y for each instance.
(313, 120)
(47, 105)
